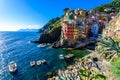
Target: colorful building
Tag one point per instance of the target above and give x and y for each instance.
(72, 25)
(76, 32)
(69, 31)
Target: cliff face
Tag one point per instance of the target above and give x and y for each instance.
(50, 37)
(51, 31)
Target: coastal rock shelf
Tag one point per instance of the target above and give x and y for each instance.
(85, 43)
(92, 65)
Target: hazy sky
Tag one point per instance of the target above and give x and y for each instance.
(20, 14)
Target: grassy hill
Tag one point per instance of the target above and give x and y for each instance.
(51, 25)
(114, 4)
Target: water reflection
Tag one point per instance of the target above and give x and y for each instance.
(2, 59)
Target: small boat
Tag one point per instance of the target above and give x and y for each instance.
(61, 56)
(69, 56)
(12, 67)
(41, 45)
(32, 63)
(39, 62)
(43, 61)
(69, 48)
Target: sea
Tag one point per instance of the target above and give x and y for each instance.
(16, 46)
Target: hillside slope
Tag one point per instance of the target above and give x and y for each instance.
(50, 25)
(114, 4)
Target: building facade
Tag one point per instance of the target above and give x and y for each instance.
(69, 30)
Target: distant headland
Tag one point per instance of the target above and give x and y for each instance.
(28, 30)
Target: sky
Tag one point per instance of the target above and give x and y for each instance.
(22, 14)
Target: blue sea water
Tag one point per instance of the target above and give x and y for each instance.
(15, 46)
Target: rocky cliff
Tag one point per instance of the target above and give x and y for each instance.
(50, 37)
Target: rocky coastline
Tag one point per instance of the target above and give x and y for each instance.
(90, 67)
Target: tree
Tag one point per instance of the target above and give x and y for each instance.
(66, 10)
(109, 47)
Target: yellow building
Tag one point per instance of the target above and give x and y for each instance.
(75, 33)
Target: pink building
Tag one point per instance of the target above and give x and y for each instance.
(68, 31)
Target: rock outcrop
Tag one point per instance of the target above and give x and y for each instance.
(113, 27)
(50, 37)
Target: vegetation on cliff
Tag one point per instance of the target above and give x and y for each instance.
(116, 68)
(109, 48)
(51, 36)
(114, 4)
(49, 31)
(51, 25)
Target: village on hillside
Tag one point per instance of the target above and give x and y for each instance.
(81, 25)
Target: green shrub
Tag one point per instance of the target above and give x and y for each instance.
(116, 68)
